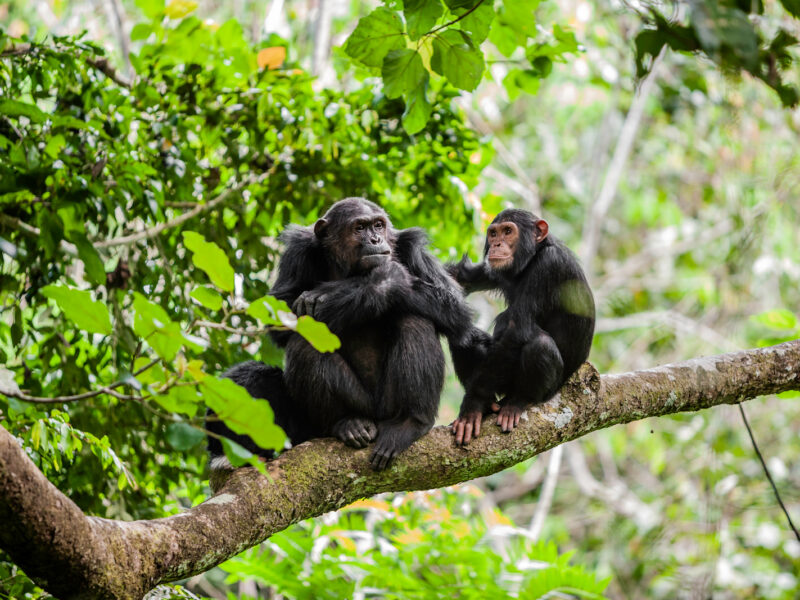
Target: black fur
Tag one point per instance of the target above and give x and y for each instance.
(387, 299)
(545, 333)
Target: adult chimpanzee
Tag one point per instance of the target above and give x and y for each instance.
(544, 334)
(387, 299)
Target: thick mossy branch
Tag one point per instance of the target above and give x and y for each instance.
(74, 556)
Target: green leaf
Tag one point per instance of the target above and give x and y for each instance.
(402, 72)
(418, 110)
(792, 6)
(141, 31)
(242, 413)
(457, 59)
(237, 454)
(317, 334)
(717, 26)
(461, 4)
(269, 310)
(95, 270)
(180, 399)
(375, 36)
(780, 319)
(78, 306)
(211, 259)
(14, 108)
(207, 297)
(478, 22)
(152, 323)
(518, 80)
(421, 16)
(151, 8)
(183, 436)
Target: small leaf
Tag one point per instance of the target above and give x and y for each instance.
(271, 58)
(152, 323)
(211, 259)
(151, 8)
(177, 9)
(402, 72)
(78, 306)
(780, 319)
(375, 36)
(207, 297)
(317, 334)
(183, 436)
(267, 308)
(95, 270)
(14, 108)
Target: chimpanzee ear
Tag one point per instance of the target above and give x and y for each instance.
(321, 228)
(541, 230)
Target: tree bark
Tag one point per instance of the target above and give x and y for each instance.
(77, 556)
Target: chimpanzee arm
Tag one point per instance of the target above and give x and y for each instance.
(436, 295)
(301, 267)
(473, 277)
(356, 299)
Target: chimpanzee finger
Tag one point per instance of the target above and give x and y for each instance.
(467, 432)
(458, 431)
(517, 416)
(477, 424)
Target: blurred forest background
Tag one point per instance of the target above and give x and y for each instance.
(678, 190)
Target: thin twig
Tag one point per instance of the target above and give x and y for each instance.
(200, 208)
(766, 471)
(109, 389)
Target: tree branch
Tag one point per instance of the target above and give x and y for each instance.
(75, 556)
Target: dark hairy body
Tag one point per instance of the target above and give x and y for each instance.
(388, 300)
(544, 334)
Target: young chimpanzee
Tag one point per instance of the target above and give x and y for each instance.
(544, 334)
(387, 299)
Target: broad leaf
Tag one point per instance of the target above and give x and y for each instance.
(78, 306)
(183, 436)
(457, 59)
(317, 334)
(421, 16)
(375, 36)
(402, 72)
(207, 297)
(418, 110)
(210, 258)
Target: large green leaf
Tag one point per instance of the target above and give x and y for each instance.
(15, 108)
(457, 59)
(317, 334)
(78, 306)
(418, 110)
(375, 36)
(402, 72)
(242, 413)
(183, 436)
(477, 22)
(210, 258)
(152, 323)
(269, 310)
(421, 16)
(207, 297)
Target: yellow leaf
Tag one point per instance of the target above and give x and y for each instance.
(344, 540)
(177, 9)
(412, 536)
(370, 503)
(494, 518)
(195, 368)
(271, 58)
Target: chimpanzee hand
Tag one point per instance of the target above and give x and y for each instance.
(391, 277)
(355, 431)
(310, 303)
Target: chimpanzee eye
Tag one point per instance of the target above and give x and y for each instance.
(492, 233)
(379, 225)
(508, 231)
(360, 227)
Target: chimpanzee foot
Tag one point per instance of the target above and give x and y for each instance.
(356, 432)
(382, 454)
(467, 426)
(508, 417)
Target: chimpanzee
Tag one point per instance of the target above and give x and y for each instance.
(387, 299)
(544, 334)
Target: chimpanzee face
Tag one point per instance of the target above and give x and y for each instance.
(501, 240)
(369, 234)
(357, 234)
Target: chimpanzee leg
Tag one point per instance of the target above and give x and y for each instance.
(412, 383)
(536, 379)
(325, 388)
